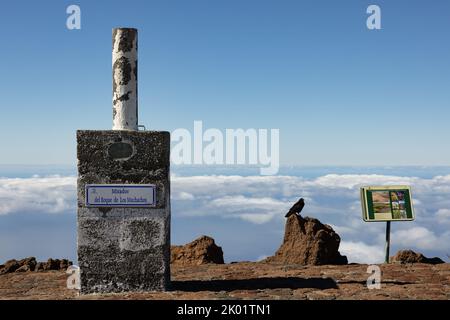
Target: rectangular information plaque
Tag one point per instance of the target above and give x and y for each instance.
(120, 195)
(387, 203)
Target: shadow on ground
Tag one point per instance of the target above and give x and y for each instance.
(254, 284)
(364, 282)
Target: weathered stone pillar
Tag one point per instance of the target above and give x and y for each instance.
(123, 195)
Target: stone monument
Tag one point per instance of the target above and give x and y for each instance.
(123, 191)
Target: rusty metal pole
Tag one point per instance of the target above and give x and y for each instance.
(125, 74)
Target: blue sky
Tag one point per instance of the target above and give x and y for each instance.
(339, 93)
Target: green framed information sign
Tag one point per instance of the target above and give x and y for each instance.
(387, 203)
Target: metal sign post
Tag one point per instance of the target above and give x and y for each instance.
(388, 241)
(387, 203)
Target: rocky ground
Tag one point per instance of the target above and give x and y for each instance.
(250, 280)
(308, 265)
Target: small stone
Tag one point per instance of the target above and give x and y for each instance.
(24, 268)
(200, 251)
(39, 266)
(64, 264)
(10, 266)
(30, 262)
(409, 256)
(52, 264)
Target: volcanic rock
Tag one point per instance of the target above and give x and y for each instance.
(56, 264)
(308, 242)
(9, 266)
(200, 251)
(30, 264)
(14, 265)
(23, 268)
(409, 256)
(39, 266)
(64, 264)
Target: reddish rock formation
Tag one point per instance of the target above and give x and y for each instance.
(9, 266)
(200, 251)
(30, 264)
(308, 242)
(56, 264)
(409, 256)
(24, 265)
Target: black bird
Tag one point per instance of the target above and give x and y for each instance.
(296, 208)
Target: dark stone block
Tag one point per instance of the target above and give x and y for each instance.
(124, 249)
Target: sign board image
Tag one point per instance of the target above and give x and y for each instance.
(387, 203)
(127, 195)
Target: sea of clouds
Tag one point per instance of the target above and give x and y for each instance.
(263, 201)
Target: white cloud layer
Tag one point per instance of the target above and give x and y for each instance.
(53, 194)
(443, 216)
(360, 252)
(422, 238)
(263, 200)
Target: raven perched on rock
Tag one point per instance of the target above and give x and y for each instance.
(296, 208)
